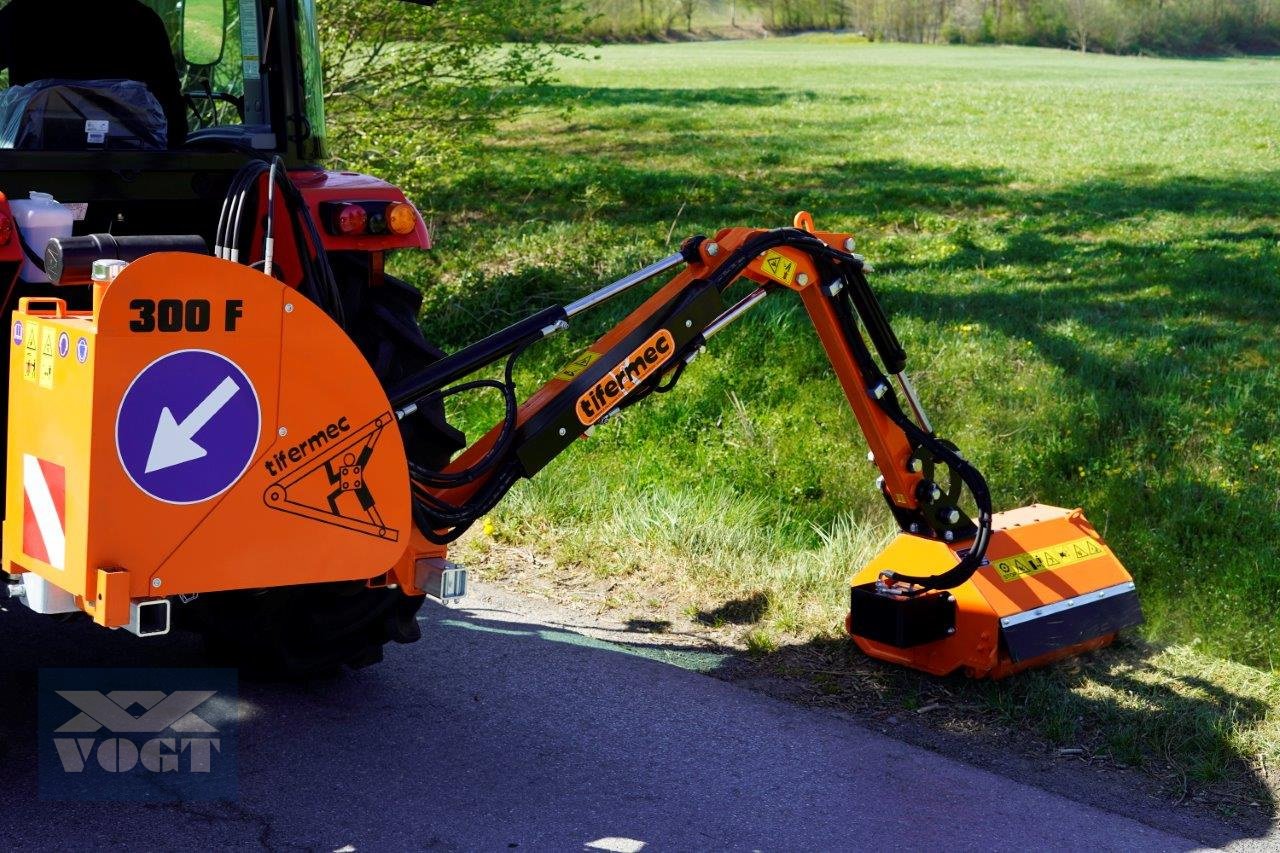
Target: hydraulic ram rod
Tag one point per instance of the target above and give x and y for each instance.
(609, 291)
(739, 308)
(406, 394)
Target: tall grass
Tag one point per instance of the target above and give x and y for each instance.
(1079, 252)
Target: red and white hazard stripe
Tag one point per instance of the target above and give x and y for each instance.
(44, 511)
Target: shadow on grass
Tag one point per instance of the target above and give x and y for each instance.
(738, 611)
(1123, 720)
(1160, 336)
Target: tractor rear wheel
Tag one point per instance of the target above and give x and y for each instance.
(303, 631)
(316, 629)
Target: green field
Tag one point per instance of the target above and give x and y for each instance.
(1079, 252)
(1080, 255)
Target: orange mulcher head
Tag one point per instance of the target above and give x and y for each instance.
(1048, 588)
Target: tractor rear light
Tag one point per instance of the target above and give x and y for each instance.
(368, 218)
(401, 218)
(350, 219)
(6, 228)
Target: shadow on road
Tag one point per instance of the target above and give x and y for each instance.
(1126, 728)
(493, 732)
(1135, 729)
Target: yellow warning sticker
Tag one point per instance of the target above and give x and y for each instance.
(575, 368)
(779, 267)
(48, 340)
(1020, 566)
(30, 355)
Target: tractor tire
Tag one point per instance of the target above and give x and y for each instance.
(315, 630)
(302, 632)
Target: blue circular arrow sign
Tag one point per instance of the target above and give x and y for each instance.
(188, 426)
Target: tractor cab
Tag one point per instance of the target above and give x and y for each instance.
(157, 124)
(138, 157)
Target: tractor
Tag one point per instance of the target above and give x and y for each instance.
(223, 414)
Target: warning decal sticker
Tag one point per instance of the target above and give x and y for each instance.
(48, 335)
(779, 267)
(44, 511)
(31, 354)
(1030, 563)
(332, 488)
(579, 364)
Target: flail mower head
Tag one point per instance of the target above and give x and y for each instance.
(989, 594)
(1048, 588)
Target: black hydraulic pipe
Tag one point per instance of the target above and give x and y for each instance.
(69, 260)
(959, 466)
(875, 321)
(471, 358)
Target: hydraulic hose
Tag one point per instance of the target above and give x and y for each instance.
(858, 297)
(855, 280)
(319, 282)
(433, 514)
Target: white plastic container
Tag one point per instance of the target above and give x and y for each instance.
(40, 219)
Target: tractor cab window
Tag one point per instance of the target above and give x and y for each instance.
(217, 45)
(312, 75)
(201, 61)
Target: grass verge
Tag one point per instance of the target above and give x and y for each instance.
(1080, 254)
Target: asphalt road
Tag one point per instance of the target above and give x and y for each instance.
(496, 733)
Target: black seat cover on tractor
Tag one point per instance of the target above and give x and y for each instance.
(82, 115)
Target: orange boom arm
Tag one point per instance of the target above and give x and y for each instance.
(649, 349)
(1052, 587)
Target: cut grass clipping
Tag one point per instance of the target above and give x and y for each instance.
(1078, 252)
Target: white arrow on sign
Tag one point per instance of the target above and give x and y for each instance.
(173, 443)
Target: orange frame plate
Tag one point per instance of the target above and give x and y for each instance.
(324, 496)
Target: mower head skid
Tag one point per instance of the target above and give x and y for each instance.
(1049, 588)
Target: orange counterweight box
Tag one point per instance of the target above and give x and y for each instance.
(203, 428)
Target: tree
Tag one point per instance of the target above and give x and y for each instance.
(408, 89)
(687, 8)
(1080, 20)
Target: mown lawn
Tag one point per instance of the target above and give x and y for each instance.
(1079, 252)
